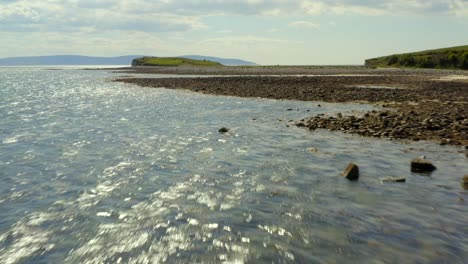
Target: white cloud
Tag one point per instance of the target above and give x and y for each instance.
(247, 40)
(304, 24)
(460, 7)
(183, 15)
(72, 15)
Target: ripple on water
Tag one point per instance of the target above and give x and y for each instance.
(113, 173)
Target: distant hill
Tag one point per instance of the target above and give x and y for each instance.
(67, 60)
(227, 62)
(447, 58)
(172, 61)
(87, 60)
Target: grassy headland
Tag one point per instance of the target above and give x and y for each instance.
(447, 58)
(172, 61)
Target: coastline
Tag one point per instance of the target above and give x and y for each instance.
(417, 104)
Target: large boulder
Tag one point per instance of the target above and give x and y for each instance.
(351, 172)
(419, 165)
(223, 130)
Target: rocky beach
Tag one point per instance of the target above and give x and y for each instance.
(415, 104)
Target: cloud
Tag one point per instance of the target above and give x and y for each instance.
(74, 15)
(460, 8)
(247, 40)
(184, 15)
(304, 24)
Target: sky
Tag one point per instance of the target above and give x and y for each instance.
(286, 32)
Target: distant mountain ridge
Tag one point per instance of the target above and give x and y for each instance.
(67, 60)
(89, 60)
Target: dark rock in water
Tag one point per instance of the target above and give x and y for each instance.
(274, 193)
(394, 179)
(422, 166)
(351, 172)
(300, 124)
(465, 182)
(223, 130)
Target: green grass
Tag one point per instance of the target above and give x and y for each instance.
(446, 58)
(173, 61)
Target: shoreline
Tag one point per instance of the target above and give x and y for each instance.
(422, 105)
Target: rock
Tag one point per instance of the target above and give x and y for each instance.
(274, 193)
(464, 182)
(422, 166)
(393, 179)
(223, 130)
(351, 172)
(312, 149)
(300, 124)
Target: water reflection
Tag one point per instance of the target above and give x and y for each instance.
(98, 172)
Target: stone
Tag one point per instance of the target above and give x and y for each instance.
(223, 130)
(351, 172)
(300, 124)
(393, 179)
(464, 182)
(312, 149)
(422, 166)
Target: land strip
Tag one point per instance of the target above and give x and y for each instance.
(417, 104)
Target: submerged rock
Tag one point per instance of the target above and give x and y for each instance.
(313, 150)
(419, 165)
(464, 182)
(393, 179)
(351, 172)
(223, 130)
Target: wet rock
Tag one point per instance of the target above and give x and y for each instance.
(312, 149)
(275, 193)
(464, 182)
(300, 124)
(393, 179)
(351, 172)
(223, 130)
(419, 165)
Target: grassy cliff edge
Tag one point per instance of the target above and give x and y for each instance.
(447, 58)
(172, 61)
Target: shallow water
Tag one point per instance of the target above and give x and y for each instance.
(98, 172)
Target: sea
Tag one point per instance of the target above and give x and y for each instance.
(95, 171)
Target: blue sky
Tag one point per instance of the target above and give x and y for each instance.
(293, 32)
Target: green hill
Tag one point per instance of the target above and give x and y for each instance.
(448, 58)
(172, 61)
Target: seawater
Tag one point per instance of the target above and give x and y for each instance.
(94, 171)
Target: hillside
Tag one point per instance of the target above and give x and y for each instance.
(447, 58)
(227, 62)
(172, 61)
